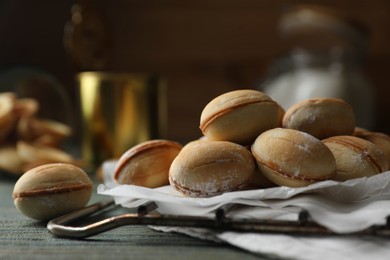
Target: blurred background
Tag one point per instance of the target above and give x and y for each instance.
(202, 48)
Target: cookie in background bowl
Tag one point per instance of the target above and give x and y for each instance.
(321, 117)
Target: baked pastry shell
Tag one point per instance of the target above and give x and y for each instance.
(147, 164)
(51, 190)
(224, 117)
(209, 168)
(356, 157)
(321, 117)
(293, 158)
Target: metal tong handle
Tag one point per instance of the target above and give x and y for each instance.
(303, 226)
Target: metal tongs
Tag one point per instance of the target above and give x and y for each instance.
(146, 215)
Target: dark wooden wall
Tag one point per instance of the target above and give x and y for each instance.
(203, 48)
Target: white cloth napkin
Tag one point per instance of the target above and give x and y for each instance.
(343, 207)
(297, 247)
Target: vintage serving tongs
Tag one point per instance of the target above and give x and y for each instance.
(146, 215)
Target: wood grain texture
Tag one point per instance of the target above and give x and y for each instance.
(23, 238)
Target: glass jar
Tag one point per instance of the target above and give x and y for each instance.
(325, 58)
(45, 88)
(307, 74)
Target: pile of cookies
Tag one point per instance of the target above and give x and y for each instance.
(249, 141)
(26, 140)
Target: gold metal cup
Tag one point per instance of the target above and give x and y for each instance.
(119, 110)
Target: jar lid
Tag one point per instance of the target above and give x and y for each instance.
(319, 27)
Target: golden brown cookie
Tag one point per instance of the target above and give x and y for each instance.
(293, 158)
(209, 168)
(240, 116)
(356, 157)
(147, 164)
(321, 117)
(51, 190)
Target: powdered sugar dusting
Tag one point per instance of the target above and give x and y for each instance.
(204, 169)
(48, 201)
(210, 179)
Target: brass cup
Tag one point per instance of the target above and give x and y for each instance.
(119, 110)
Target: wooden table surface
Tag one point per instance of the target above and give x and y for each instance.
(23, 238)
